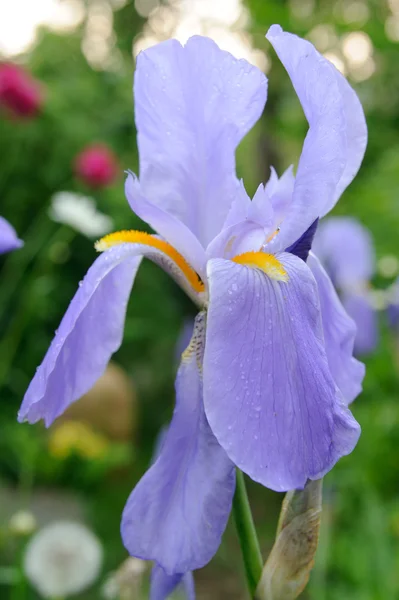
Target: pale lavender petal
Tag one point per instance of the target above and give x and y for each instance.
(178, 511)
(365, 317)
(269, 395)
(8, 237)
(346, 249)
(339, 335)
(162, 585)
(281, 194)
(243, 237)
(335, 143)
(239, 208)
(167, 225)
(193, 106)
(90, 332)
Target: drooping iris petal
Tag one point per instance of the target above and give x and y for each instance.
(193, 106)
(339, 335)
(8, 237)
(269, 395)
(92, 328)
(346, 249)
(337, 136)
(90, 332)
(365, 317)
(171, 228)
(162, 585)
(178, 511)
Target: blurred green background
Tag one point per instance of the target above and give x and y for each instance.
(86, 71)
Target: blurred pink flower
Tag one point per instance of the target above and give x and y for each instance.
(20, 94)
(96, 165)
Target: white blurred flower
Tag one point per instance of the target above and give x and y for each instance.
(124, 584)
(22, 523)
(80, 212)
(63, 559)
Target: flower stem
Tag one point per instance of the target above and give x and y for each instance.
(251, 554)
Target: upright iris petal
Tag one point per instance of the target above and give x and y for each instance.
(337, 136)
(193, 106)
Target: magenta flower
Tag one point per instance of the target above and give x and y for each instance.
(20, 94)
(8, 238)
(267, 377)
(96, 166)
(346, 249)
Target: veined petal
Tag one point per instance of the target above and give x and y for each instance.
(90, 332)
(193, 106)
(92, 327)
(167, 225)
(339, 335)
(346, 249)
(365, 317)
(178, 511)
(162, 585)
(281, 194)
(337, 136)
(8, 237)
(269, 395)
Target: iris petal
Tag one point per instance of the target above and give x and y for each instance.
(8, 238)
(339, 335)
(269, 395)
(178, 511)
(162, 585)
(167, 225)
(90, 332)
(366, 319)
(337, 136)
(346, 249)
(193, 106)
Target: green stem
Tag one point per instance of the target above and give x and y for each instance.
(251, 554)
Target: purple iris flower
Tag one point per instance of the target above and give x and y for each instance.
(266, 380)
(346, 249)
(8, 238)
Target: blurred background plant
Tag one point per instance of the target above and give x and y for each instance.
(66, 136)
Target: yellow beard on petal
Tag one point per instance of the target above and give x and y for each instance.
(268, 263)
(146, 239)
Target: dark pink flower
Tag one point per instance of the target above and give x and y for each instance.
(20, 94)
(97, 166)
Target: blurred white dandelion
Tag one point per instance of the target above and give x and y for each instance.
(63, 559)
(79, 212)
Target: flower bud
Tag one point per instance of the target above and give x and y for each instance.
(20, 94)
(96, 166)
(291, 559)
